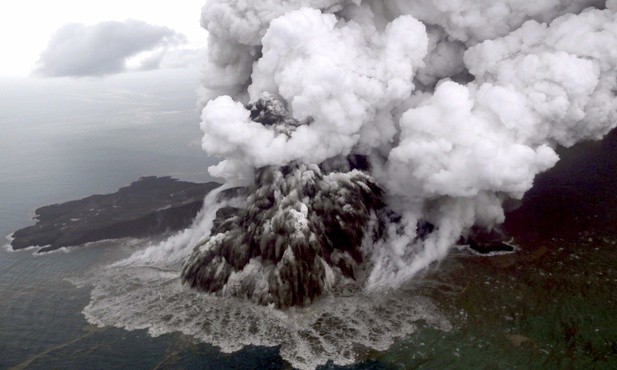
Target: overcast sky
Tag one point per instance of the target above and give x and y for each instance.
(164, 28)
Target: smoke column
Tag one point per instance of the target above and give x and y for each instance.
(456, 105)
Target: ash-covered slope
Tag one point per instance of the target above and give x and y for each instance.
(299, 235)
(147, 207)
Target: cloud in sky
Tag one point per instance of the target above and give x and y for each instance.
(79, 50)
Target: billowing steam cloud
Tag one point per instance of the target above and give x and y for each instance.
(457, 106)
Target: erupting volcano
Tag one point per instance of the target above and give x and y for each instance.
(451, 115)
(364, 140)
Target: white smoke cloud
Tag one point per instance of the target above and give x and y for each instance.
(466, 148)
(104, 48)
(235, 31)
(472, 21)
(376, 78)
(337, 75)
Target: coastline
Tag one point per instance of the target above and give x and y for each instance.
(148, 207)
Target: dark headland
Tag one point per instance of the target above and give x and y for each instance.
(148, 207)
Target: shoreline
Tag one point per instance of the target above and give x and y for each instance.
(148, 207)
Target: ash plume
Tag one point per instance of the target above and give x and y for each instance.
(454, 106)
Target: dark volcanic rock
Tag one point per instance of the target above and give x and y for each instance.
(299, 234)
(147, 207)
(488, 242)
